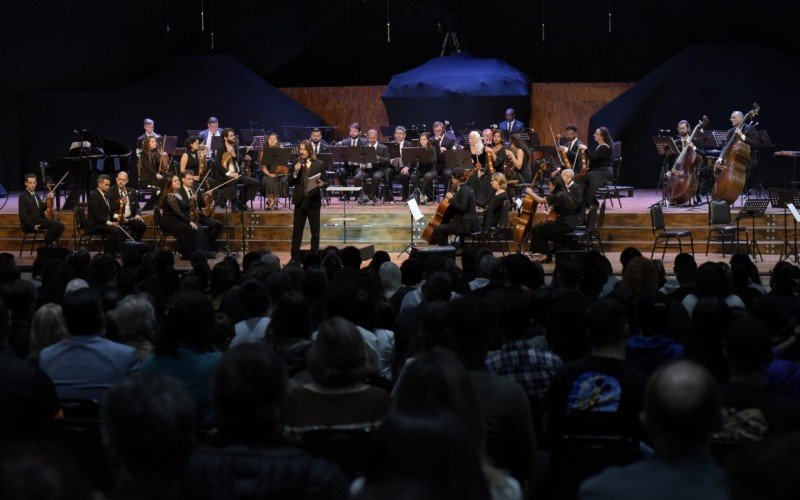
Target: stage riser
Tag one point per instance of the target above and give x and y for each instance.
(390, 230)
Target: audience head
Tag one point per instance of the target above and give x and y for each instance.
(437, 286)
(712, 280)
(47, 328)
(149, 426)
(469, 328)
(135, 316)
(411, 272)
(290, 319)
(249, 392)
(607, 324)
(628, 254)
(39, 471)
(517, 269)
(337, 357)
(641, 276)
(685, 268)
(83, 312)
(747, 347)
(254, 298)
(188, 323)
(391, 278)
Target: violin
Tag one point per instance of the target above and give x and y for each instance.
(49, 214)
(584, 166)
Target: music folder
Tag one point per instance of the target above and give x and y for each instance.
(314, 182)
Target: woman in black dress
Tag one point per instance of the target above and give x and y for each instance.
(491, 217)
(519, 157)
(175, 220)
(274, 183)
(600, 171)
(479, 182)
(566, 217)
(428, 169)
(191, 158)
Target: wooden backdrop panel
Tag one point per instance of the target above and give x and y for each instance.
(341, 106)
(551, 103)
(559, 104)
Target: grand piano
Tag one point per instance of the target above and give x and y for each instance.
(89, 156)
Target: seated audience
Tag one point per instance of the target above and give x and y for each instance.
(651, 346)
(135, 318)
(254, 297)
(47, 328)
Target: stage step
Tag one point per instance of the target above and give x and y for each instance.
(388, 228)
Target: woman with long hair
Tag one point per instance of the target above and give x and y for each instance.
(520, 157)
(479, 181)
(273, 182)
(175, 220)
(600, 171)
(566, 214)
(428, 169)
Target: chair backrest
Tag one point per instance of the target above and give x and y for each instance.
(656, 218)
(80, 216)
(348, 448)
(157, 218)
(575, 458)
(616, 158)
(719, 212)
(591, 220)
(504, 215)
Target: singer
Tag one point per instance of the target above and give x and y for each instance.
(307, 198)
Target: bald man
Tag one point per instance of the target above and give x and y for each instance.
(681, 411)
(132, 215)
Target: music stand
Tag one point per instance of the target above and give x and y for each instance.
(248, 134)
(414, 155)
(394, 149)
(761, 140)
(273, 157)
(454, 158)
(665, 147)
(753, 208)
(387, 131)
(216, 143)
(782, 198)
(721, 136)
(168, 143)
(192, 133)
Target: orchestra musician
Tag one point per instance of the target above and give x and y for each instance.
(149, 131)
(194, 201)
(746, 134)
(206, 135)
(480, 186)
(566, 202)
(317, 144)
(176, 220)
(705, 179)
(461, 217)
(444, 141)
(427, 170)
(150, 175)
(345, 170)
(511, 125)
(570, 145)
(520, 158)
(382, 153)
(306, 202)
(132, 213)
(101, 216)
(273, 183)
(494, 209)
(232, 168)
(32, 213)
(486, 136)
(190, 160)
(600, 171)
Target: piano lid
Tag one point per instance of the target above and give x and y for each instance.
(96, 146)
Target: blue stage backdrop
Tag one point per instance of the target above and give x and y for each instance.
(459, 88)
(713, 80)
(181, 96)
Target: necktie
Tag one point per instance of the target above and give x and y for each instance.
(509, 126)
(189, 191)
(38, 204)
(316, 148)
(353, 142)
(106, 200)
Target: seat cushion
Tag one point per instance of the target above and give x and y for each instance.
(676, 233)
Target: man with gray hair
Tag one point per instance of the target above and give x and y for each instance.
(743, 132)
(135, 317)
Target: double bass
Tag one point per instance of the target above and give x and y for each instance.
(524, 221)
(683, 178)
(730, 175)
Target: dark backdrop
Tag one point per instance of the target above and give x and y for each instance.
(87, 46)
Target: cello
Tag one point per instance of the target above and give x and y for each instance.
(524, 221)
(731, 173)
(683, 180)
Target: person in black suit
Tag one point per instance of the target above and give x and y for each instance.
(511, 125)
(212, 226)
(382, 152)
(132, 217)
(569, 145)
(232, 168)
(600, 171)
(461, 217)
(396, 167)
(149, 131)
(746, 133)
(206, 135)
(344, 170)
(306, 204)
(101, 216)
(317, 144)
(561, 201)
(443, 140)
(31, 213)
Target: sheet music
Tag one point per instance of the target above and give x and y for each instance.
(414, 207)
(794, 211)
(313, 183)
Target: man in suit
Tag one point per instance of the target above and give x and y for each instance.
(132, 217)
(206, 135)
(571, 145)
(317, 144)
(149, 131)
(444, 141)
(101, 216)
(31, 213)
(382, 152)
(463, 219)
(86, 364)
(398, 168)
(511, 125)
(307, 202)
(746, 134)
(344, 170)
(214, 227)
(234, 169)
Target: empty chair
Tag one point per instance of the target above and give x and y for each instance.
(664, 237)
(720, 227)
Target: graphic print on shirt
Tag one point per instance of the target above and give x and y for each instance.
(594, 392)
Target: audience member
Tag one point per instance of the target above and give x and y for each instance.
(135, 318)
(651, 346)
(20, 297)
(254, 297)
(47, 328)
